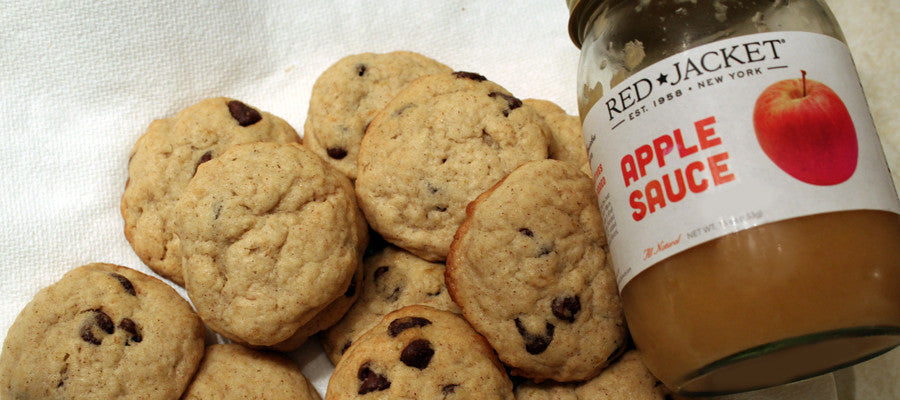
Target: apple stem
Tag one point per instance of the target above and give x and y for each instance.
(803, 78)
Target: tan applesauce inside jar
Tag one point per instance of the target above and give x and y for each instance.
(764, 306)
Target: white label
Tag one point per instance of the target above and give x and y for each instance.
(728, 136)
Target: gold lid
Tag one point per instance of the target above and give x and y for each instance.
(579, 13)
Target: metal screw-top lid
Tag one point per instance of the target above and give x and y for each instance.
(579, 13)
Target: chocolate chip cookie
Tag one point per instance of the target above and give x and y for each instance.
(231, 371)
(529, 271)
(270, 235)
(566, 139)
(102, 332)
(442, 141)
(346, 97)
(626, 379)
(165, 158)
(419, 352)
(326, 318)
(394, 279)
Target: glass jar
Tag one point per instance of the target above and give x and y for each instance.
(752, 222)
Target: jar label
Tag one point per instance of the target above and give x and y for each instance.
(728, 136)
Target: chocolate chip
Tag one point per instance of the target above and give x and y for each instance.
(535, 344)
(127, 325)
(204, 158)
(566, 307)
(469, 75)
(351, 290)
(440, 208)
(395, 294)
(100, 320)
(545, 250)
(526, 232)
(417, 354)
(364, 371)
(379, 272)
(243, 114)
(104, 322)
(449, 389)
(371, 381)
(337, 153)
(126, 284)
(361, 69)
(512, 102)
(401, 324)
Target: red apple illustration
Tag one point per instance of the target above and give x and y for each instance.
(805, 129)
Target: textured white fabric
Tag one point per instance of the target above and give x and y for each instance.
(81, 80)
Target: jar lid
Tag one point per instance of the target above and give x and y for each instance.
(579, 13)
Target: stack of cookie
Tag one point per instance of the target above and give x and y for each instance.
(440, 235)
(492, 225)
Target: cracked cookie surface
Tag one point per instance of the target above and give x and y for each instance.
(437, 145)
(348, 94)
(231, 371)
(419, 352)
(529, 271)
(165, 158)
(270, 236)
(394, 278)
(101, 332)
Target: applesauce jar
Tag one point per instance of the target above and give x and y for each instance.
(752, 221)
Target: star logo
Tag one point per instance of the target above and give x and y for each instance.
(663, 78)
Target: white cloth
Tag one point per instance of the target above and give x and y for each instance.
(81, 81)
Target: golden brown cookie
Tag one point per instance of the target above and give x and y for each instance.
(165, 158)
(529, 271)
(419, 352)
(566, 139)
(102, 332)
(346, 97)
(626, 379)
(270, 235)
(231, 371)
(326, 318)
(437, 145)
(394, 279)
